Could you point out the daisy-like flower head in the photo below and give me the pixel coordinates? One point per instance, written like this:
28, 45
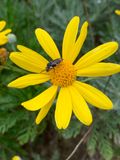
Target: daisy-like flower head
3, 33
117, 11
62, 73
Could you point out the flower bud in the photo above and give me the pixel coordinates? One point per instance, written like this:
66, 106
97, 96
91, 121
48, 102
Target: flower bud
16, 158
11, 38
3, 56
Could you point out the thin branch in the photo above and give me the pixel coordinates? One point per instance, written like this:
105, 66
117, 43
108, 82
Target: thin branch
79, 143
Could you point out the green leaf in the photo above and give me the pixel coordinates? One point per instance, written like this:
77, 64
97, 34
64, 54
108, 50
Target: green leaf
72, 131
105, 149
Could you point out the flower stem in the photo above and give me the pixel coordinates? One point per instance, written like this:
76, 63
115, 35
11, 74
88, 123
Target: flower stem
79, 143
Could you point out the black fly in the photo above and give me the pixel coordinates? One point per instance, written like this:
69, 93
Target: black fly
53, 64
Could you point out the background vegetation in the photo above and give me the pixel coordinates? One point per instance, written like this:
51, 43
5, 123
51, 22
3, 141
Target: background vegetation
18, 132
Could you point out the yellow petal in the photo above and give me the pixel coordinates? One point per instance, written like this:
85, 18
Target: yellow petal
93, 96
96, 55
99, 69
43, 112
3, 40
5, 32
27, 62
63, 109
41, 100
70, 37
2, 25
47, 43
79, 42
117, 11
28, 80
80, 107
37, 58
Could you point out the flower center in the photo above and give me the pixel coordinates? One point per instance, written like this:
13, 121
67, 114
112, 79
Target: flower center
63, 74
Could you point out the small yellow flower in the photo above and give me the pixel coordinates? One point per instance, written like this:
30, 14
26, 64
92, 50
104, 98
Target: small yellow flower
3, 34
117, 12
73, 94
16, 158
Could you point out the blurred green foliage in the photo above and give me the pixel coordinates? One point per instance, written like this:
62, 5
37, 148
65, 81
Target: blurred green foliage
18, 132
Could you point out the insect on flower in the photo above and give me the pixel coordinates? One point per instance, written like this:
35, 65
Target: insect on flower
53, 64
63, 72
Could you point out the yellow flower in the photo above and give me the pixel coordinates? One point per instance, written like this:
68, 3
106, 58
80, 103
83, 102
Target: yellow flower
117, 12
16, 158
73, 94
3, 34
